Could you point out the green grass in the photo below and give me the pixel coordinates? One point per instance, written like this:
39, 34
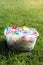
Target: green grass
20, 12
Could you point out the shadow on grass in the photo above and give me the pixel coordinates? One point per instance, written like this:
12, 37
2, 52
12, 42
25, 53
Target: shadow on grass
3, 48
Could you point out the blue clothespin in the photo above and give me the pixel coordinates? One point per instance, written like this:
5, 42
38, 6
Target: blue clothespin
7, 29
25, 32
16, 32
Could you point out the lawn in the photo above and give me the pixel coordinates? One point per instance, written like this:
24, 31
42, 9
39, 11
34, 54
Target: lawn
21, 12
